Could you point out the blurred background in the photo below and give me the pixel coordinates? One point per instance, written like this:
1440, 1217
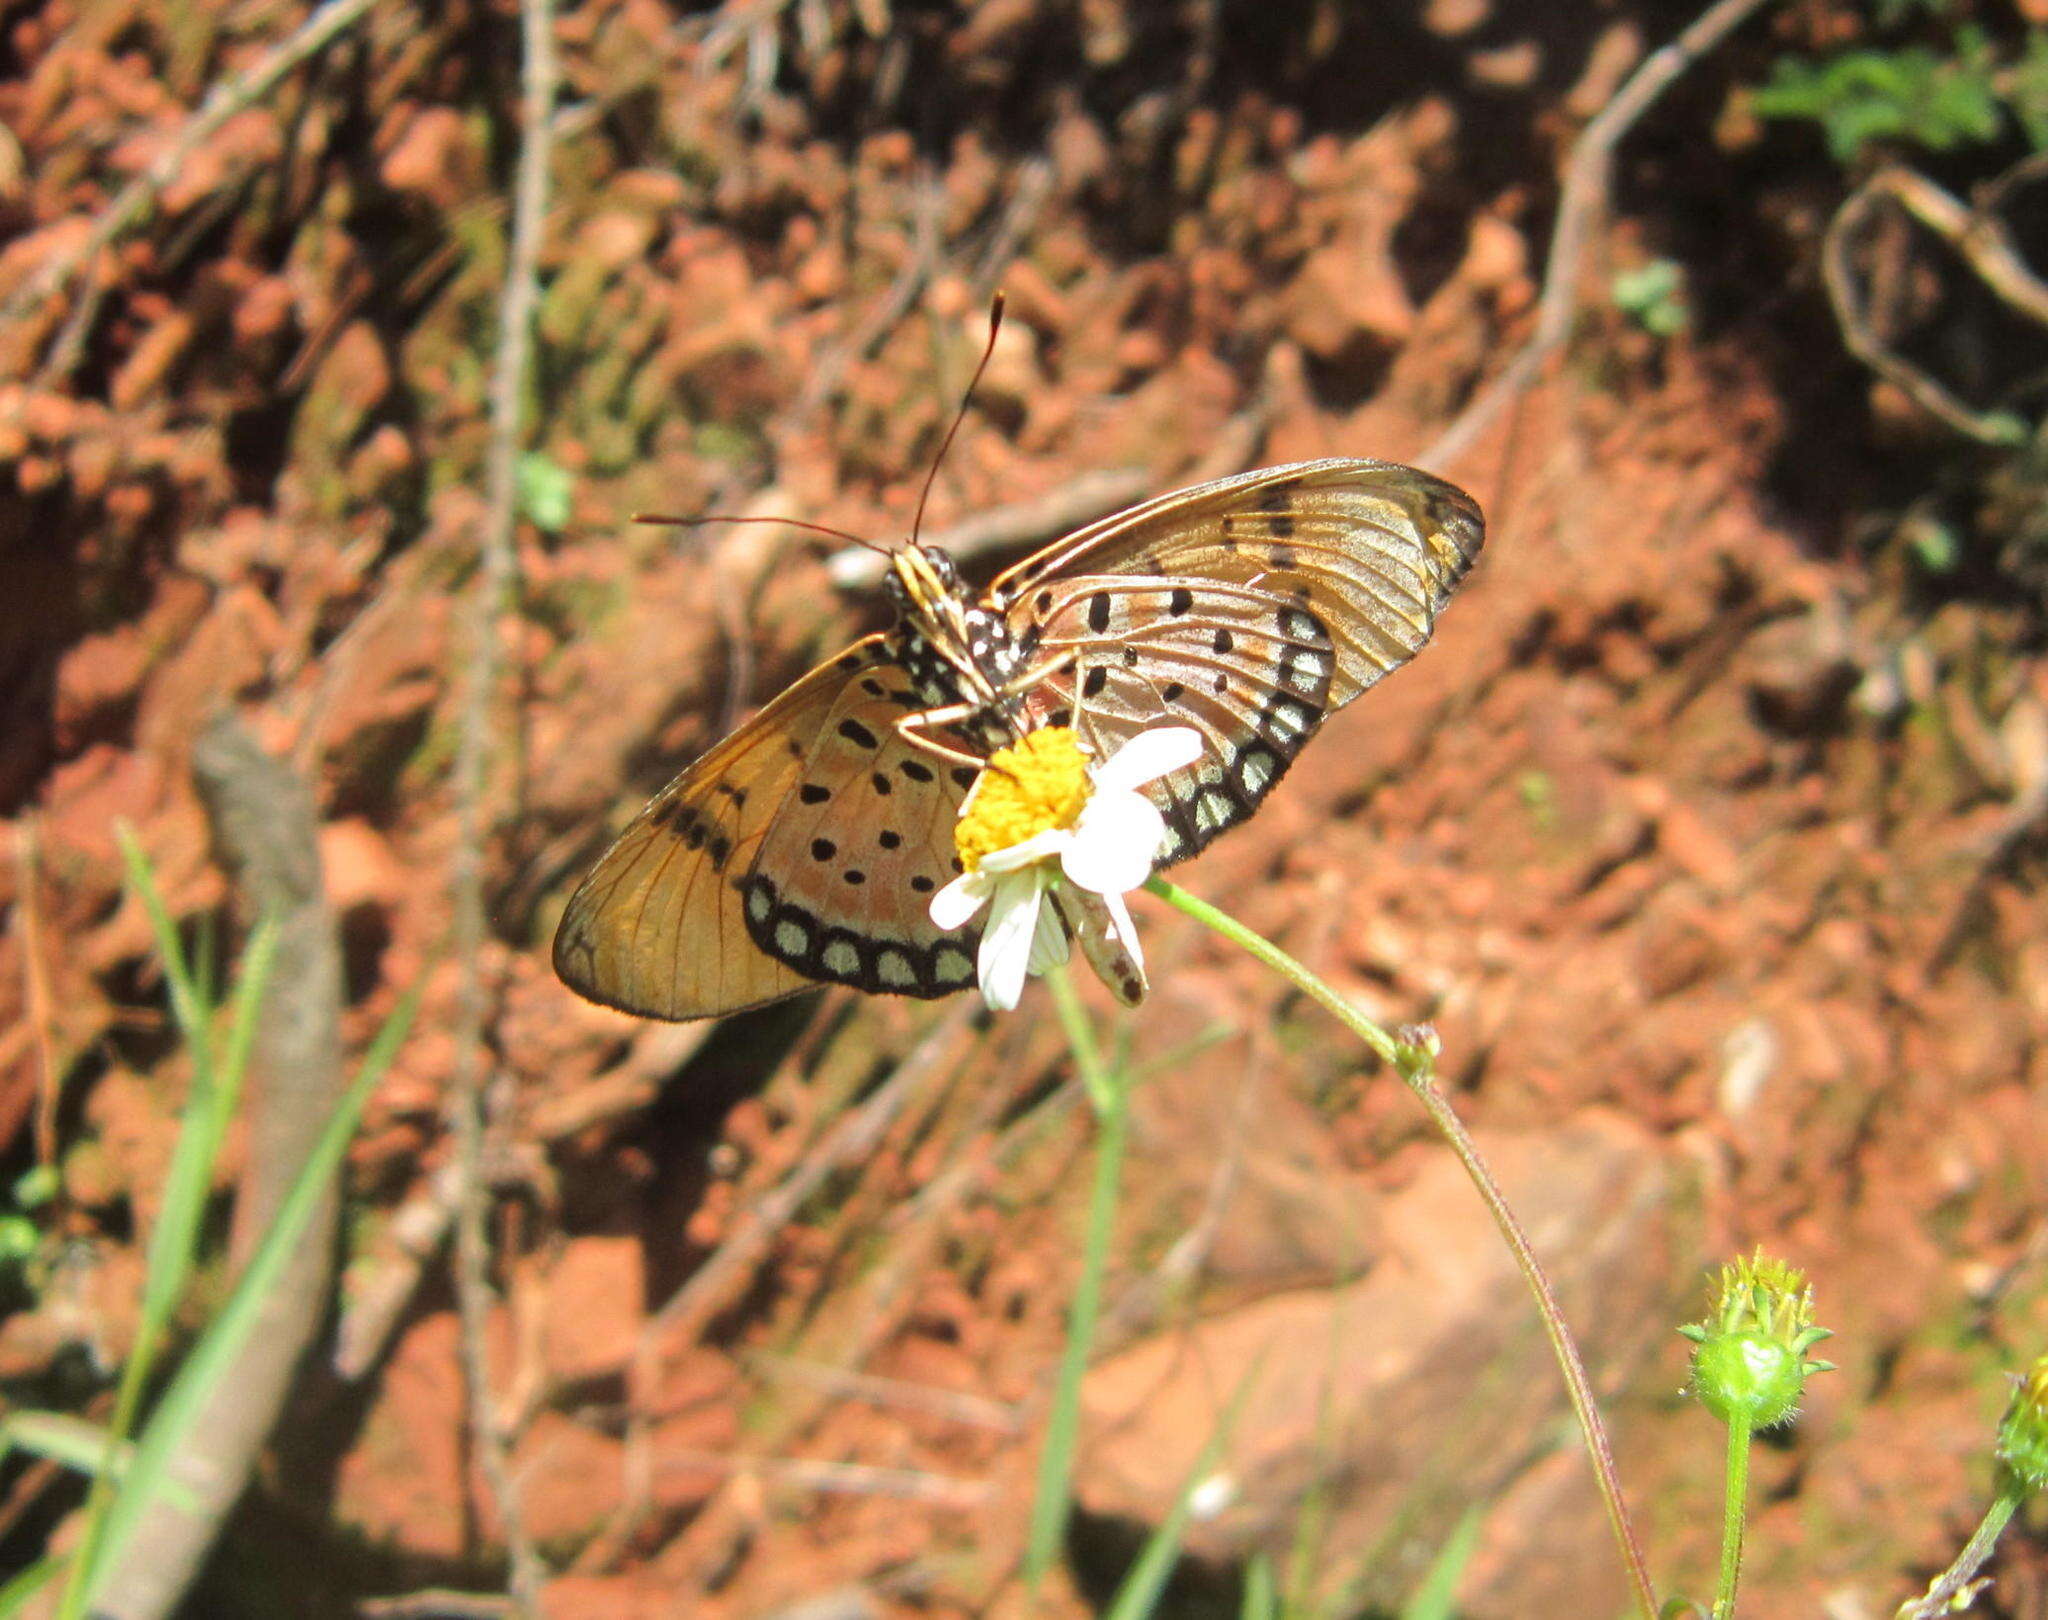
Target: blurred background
1707, 832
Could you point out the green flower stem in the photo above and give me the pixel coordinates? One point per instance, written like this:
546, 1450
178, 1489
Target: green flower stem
1106, 1091
1958, 1581
1416, 1064
1734, 1504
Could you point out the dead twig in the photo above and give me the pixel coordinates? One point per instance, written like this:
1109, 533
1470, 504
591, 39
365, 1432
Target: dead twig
2023, 741
852, 1331
36, 988
854, 1479
955, 1406
1030, 191
437, 1603
1580, 201
492, 591
414, 1234
1079, 500
1979, 237
852, 1139
134, 200
267, 830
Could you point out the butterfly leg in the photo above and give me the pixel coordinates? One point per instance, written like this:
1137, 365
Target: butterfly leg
912, 728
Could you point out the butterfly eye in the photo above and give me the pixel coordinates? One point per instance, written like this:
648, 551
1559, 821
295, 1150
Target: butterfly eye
942, 566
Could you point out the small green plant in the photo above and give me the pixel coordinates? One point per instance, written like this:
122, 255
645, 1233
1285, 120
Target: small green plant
545, 491
1653, 296
21, 1236
1941, 99
1749, 1368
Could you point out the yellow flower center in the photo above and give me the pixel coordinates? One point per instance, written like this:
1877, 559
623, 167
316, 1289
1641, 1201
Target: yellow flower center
1031, 787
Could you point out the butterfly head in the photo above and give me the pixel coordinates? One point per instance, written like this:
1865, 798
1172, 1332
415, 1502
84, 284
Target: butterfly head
956, 651
922, 581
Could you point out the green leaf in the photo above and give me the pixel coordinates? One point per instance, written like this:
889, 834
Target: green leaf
2026, 89
545, 490
1914, 96
60, 1437
36, 1187
1653, 296
19, 1238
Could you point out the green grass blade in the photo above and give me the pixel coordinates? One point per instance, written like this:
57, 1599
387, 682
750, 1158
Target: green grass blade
258, 959
216, 1090
188, 999
214, 1355
1261, 1591
17, 1594
1434, 1598
174, 1241
1050, 1503
60, 1437
1139, 1595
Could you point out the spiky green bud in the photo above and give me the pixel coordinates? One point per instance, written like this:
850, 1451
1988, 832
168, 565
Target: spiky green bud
1751, 1364
2023, 1431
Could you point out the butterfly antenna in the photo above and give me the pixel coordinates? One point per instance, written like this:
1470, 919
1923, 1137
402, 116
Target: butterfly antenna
787, 523
995, 325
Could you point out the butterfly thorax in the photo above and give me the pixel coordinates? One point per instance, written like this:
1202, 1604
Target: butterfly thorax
955, 652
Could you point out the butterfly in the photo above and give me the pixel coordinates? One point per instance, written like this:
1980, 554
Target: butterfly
806, 846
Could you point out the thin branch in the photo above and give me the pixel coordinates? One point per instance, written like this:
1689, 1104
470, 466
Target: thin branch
955, 1406
1079, 500
266, 829
1982, 240
853, 1479
417, 1229
36, 987
492, 591
226, 99
437, 1603
1581, 200
852, 1139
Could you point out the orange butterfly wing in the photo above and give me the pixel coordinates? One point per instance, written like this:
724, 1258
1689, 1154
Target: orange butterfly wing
1250, 608
712, 902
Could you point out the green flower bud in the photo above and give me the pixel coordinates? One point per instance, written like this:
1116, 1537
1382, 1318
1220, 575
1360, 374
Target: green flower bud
2023, 1431
1751, 1364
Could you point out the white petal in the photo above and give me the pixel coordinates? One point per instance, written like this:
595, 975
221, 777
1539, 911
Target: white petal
1006, 942
1038, 847
1114, 843
1148, 755
1049, 943
959, 900
1122, 929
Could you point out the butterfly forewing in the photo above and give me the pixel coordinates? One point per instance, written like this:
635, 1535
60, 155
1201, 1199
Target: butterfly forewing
710, 903
1249, 608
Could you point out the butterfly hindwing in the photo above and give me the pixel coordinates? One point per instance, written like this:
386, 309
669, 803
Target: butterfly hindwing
1249, 608
661, 926
841, 886
1249, 670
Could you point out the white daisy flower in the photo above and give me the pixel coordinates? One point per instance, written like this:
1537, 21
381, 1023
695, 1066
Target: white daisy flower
1042, 814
